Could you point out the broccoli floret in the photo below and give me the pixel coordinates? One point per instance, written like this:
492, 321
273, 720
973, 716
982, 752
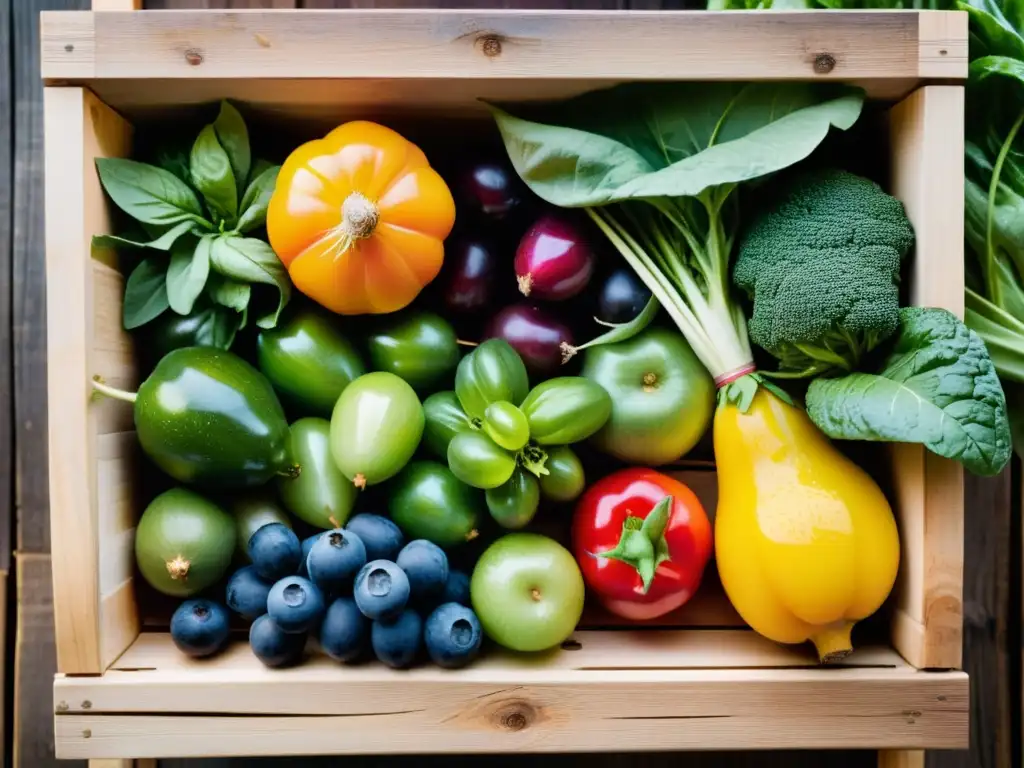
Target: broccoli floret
821, 263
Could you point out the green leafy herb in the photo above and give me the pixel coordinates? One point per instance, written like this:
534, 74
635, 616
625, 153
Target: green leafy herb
657, 167
213, 177
253, 208
145, 292
233, 136
187, 272
937, 387
162, 242
249, 260
147, 193
229, 293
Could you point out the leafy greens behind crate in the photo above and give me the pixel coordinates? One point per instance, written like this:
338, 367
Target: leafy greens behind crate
196, 213
994, 192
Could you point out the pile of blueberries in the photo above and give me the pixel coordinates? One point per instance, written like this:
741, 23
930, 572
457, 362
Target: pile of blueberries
355, 589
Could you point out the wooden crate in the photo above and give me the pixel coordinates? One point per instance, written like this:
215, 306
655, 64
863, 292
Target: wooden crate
705, 683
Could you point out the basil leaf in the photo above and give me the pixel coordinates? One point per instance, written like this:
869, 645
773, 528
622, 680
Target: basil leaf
252, 261
145, 292
213, 177
230, 293
259, 165
161, 243
186, 275
937, 387
256, 199
147, 193
234, 138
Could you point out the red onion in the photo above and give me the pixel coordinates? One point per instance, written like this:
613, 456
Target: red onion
534, 334
553, 260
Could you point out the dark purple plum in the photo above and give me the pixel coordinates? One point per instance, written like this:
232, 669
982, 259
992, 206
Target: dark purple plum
489, 188
470, 273
622, 297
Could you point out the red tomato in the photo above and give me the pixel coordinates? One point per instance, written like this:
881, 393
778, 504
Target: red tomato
615, 545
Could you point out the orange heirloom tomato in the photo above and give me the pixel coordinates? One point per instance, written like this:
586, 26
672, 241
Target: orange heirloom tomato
359, 219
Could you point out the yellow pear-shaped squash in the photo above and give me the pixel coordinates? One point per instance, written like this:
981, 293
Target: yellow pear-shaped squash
805, 540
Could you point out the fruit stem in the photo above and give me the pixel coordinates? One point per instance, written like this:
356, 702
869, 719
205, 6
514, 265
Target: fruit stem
113, 392
472, 534
525, 283
178, 568
465, 343
643, 545
359, 481
292, 472
833, 642
359, 216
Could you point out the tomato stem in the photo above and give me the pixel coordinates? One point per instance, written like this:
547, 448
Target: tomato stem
642, 544
114, 392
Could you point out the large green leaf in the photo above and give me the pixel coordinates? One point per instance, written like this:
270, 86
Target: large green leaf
145, 292
160, 243
937, 387
213, 177
249, 260
147, 193
187, 272
675, 140
233, 136
252, 212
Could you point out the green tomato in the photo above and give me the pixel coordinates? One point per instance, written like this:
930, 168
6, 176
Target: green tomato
565, 479
527, 591
444, 420
566, 410
479, 461
506, 425
252, 511
429, 502
491, 372
319, 494
514, 504
419, 347
663, 398
375, 428
308, 361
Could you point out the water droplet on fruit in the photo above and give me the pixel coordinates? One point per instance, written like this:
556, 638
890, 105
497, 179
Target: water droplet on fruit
462, 632
294, 595
378, 582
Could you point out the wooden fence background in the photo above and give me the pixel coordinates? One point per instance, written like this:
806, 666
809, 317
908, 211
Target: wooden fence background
993, 578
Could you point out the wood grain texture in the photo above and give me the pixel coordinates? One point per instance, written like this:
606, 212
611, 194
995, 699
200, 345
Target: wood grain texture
926, 146
480, 44
6, 295
619, 690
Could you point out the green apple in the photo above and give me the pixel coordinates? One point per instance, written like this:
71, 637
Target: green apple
527, 592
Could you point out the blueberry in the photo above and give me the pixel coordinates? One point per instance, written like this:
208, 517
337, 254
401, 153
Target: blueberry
275, 551
272, 645
381, 537
397, 641
456, 589
344, 631
307, 544
295, 604
426, 565
381, 589
199, 627
453, 635
335, 559
247, 593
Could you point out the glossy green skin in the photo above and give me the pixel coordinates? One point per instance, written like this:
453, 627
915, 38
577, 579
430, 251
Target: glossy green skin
172, 331
444, 420
527, 591
308, 361
429, 502
652, 423
491, 372
320, 494
182, 524
565, 480
251, 512
506, 425
514, 504
566, 410
421, 348
208, 418
375, 428
478, 461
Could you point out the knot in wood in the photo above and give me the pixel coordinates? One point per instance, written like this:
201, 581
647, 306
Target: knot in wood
490, 46
824, 63
515, 716
193, 57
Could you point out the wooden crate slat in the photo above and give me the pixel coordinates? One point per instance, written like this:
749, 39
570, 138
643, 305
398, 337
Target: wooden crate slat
485, 44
